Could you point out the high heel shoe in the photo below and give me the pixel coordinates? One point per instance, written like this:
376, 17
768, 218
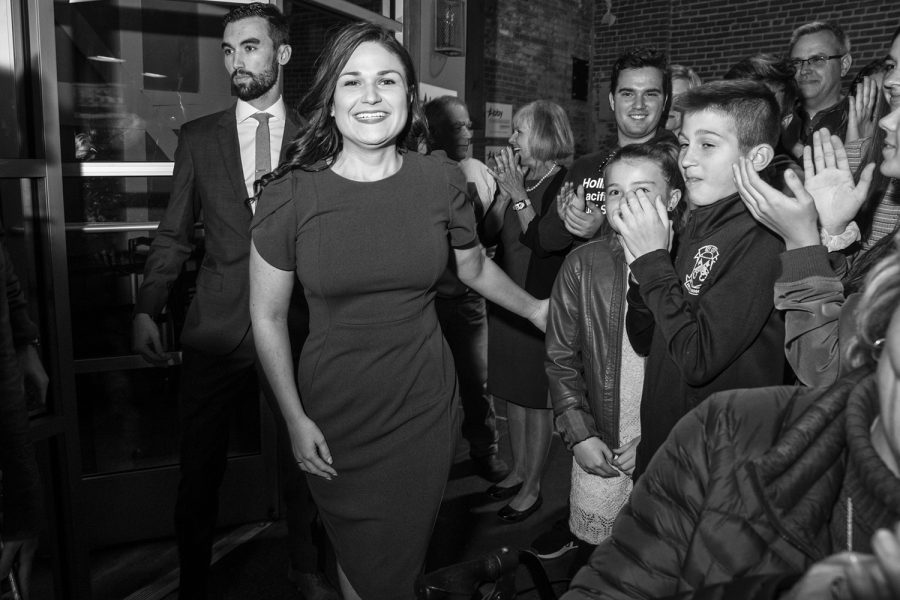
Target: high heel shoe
511, 515
502, 493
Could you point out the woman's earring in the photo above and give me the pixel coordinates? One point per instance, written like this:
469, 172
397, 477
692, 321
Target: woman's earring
877, 347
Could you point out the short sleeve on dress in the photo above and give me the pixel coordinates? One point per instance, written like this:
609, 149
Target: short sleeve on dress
274, 225
462, 226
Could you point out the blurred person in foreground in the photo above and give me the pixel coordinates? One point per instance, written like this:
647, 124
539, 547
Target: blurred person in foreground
21, 486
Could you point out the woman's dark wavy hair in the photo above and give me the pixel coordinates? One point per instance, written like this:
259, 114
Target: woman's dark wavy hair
317, 144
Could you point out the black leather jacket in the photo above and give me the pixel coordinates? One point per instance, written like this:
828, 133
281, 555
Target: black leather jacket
584, 340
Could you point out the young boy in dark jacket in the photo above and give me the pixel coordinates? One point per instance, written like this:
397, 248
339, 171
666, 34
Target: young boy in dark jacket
707, 322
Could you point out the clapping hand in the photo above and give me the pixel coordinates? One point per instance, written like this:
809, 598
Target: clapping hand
580, 218
643, 224
829, 180
564, 198
829, 197
509, 174
793, 219
861, 121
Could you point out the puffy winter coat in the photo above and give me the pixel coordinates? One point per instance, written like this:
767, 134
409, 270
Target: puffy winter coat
749, 490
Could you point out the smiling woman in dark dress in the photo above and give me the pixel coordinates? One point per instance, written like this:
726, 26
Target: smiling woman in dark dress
529, 173
365, 226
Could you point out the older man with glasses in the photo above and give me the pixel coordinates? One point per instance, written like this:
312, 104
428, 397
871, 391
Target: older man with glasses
820, 53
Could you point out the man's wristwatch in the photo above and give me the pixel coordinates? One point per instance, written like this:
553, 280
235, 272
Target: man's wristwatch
520, 204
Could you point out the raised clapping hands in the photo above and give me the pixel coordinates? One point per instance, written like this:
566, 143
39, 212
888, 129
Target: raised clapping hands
828, 198
861, 122
829, 180
643, 224
793, 219
509, 174
579, 218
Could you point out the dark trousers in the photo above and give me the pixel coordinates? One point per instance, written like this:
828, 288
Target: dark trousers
464, 323
211, 389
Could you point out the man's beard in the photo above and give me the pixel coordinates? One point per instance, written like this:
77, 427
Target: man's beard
259, 83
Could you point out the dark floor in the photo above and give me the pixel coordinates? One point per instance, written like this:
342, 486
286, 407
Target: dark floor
252, 560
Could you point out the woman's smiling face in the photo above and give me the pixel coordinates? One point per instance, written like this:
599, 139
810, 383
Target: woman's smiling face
890, 164
370, 105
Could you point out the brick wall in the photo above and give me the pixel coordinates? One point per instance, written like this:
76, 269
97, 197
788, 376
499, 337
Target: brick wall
711, 35
528, 50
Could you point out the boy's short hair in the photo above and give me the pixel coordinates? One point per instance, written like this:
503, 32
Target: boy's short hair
817, 26
774, 71
751, 106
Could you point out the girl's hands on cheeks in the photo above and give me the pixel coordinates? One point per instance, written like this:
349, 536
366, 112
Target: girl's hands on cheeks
643, 224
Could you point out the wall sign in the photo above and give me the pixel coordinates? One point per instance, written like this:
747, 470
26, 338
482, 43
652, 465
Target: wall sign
497, 120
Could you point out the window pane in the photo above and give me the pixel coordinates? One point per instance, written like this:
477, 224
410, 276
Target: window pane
131, 72
13, 124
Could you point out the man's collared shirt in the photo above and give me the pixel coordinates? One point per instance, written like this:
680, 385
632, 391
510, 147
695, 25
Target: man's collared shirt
801, 128
246, 126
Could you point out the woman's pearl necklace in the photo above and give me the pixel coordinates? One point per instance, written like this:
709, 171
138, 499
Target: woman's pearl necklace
541, 180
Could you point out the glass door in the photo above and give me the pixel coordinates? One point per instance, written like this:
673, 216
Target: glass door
129, 74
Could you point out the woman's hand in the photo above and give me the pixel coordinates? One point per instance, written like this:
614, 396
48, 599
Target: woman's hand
509, 174
793, 219
830, 182
643, 224
310, 448
595, 457
624, 457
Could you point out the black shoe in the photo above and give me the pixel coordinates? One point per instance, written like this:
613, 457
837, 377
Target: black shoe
502, 493
490, 467
313, 586
511, 515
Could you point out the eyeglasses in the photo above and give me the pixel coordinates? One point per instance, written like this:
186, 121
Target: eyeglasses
460, 125
813, 61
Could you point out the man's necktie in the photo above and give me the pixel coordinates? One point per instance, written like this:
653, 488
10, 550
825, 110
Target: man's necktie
263, 148
263, 151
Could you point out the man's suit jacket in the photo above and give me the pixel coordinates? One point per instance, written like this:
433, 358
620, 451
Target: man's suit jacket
208, 180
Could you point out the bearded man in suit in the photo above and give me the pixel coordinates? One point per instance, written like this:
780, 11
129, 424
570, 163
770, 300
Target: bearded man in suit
218, 158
